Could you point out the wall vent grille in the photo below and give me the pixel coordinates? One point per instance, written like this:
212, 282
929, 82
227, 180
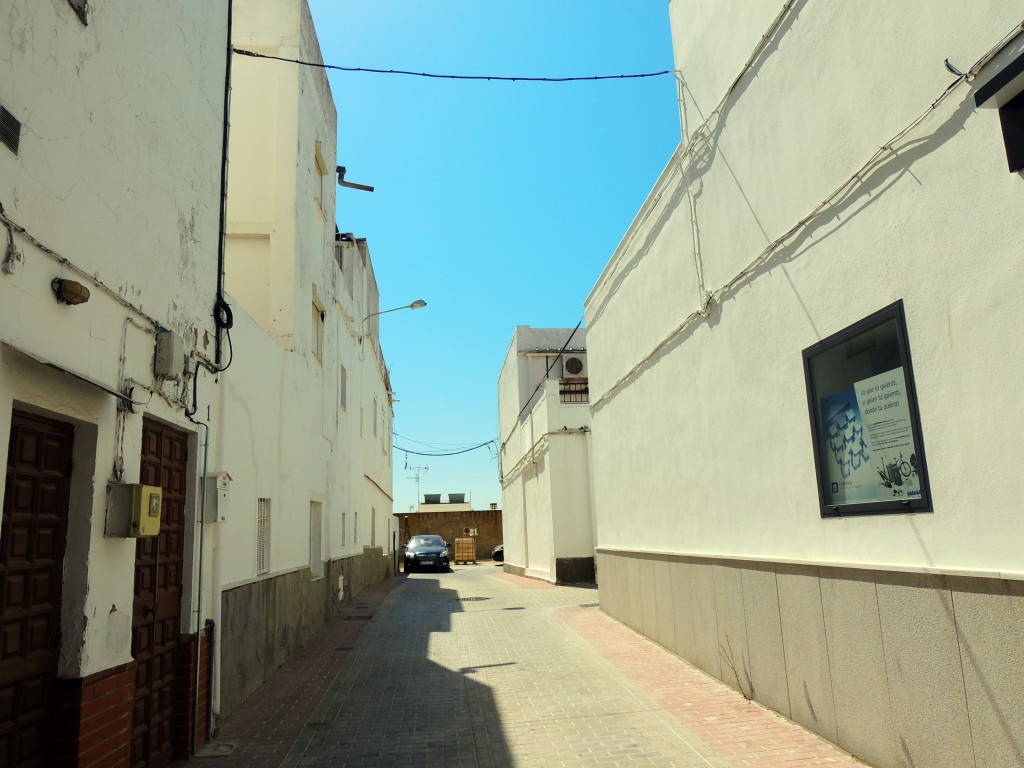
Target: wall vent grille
262, 536
10, 130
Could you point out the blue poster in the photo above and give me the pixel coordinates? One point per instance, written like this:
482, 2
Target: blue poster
869, 450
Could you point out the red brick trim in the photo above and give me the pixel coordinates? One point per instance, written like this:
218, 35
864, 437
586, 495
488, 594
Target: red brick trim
93, 719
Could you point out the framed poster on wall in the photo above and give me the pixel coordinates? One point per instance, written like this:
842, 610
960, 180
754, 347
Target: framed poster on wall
865, 423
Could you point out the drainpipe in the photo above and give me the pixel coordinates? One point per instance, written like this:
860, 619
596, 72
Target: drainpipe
199, 580
211, 631
221, 311
223, 321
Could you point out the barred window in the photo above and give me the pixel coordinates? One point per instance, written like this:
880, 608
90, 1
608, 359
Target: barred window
316, 557
262, 535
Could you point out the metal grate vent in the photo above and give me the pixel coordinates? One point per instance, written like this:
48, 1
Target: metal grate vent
357, 618
469, 599
262, 535
10, 130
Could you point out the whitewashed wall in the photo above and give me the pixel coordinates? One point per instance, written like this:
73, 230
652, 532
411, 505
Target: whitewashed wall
546, 507
934, 223
118, 173
291, 434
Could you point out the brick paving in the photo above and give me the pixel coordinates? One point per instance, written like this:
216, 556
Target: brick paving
485, 669
260, 734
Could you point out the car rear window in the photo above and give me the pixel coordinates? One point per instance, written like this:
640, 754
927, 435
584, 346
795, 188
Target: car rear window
426, 541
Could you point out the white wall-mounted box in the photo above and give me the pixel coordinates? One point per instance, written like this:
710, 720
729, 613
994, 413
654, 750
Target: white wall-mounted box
218, 497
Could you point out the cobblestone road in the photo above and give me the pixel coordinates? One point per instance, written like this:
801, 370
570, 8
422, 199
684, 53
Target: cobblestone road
480, 668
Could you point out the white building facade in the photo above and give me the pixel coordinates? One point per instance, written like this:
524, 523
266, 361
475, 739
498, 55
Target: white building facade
544, 423
307, 403
227, 369
110, 181
801, 377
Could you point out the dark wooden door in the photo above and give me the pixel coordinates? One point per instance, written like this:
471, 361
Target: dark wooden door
156, 616
32, 539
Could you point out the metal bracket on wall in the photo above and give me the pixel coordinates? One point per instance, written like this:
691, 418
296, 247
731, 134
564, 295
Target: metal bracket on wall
81, 9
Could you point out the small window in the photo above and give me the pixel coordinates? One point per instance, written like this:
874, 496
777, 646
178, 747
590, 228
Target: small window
865, 424
316, 557
318, 331
355, 527
262, 536
10, 130
373, 526
1003, 90
1011, 117
344, 528
343, 387
320, 166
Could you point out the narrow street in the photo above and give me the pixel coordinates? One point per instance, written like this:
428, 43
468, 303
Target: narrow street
481, 668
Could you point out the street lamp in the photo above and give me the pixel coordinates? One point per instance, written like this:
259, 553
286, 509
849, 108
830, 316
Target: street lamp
418, 304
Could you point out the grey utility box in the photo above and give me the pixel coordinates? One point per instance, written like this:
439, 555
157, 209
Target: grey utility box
169, 359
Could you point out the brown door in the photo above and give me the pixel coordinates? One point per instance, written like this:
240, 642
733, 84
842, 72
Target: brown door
156, 616
32, 539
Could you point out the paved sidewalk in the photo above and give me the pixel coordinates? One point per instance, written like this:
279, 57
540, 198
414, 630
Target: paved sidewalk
480, 668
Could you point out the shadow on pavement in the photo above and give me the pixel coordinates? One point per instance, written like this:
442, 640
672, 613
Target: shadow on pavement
404, 696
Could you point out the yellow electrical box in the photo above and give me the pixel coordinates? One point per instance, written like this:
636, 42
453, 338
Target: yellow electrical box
146, 501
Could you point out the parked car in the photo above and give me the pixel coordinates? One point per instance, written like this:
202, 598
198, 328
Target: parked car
426, 551
498, 554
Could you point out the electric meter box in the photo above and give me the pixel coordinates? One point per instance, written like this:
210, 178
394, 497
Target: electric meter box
218, 497
169, 358
134, 511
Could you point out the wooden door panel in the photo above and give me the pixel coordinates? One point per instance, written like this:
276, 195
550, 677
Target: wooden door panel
32, 544
156, 619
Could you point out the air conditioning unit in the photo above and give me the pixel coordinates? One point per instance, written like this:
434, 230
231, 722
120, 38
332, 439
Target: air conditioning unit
574, 367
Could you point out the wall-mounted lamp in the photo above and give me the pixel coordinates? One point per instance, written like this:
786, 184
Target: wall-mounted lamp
69, 291
418, 304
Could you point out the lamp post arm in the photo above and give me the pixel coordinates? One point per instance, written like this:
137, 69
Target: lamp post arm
383, 312
418, 304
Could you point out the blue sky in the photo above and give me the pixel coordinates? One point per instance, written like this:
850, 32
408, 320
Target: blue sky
498, 203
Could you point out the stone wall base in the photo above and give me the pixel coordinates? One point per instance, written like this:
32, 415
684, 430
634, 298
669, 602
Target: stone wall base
574, 570
264, 622
898, 668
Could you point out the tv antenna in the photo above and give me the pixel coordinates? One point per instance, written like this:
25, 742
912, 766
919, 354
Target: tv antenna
416, 477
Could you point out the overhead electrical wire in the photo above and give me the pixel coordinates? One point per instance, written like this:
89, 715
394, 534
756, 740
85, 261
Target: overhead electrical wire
435, 76
436, 445
447, 453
